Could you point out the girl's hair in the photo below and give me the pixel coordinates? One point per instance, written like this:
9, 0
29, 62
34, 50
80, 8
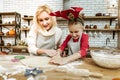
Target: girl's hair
77, 21
44, 8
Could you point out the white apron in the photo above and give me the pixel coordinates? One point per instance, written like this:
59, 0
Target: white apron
74, 47
45, 42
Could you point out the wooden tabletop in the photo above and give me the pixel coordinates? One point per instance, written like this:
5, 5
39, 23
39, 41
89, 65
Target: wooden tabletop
108, 74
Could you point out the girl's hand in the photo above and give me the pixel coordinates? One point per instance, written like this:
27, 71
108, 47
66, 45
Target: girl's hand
58, 60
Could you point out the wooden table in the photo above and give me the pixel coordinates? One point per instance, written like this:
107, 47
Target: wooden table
108, 74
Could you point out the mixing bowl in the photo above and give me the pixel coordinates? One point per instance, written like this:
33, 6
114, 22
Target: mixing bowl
106, 58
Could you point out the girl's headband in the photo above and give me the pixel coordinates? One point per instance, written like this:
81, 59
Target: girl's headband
69, 14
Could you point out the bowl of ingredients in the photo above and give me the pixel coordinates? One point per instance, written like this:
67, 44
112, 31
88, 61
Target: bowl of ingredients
106, 58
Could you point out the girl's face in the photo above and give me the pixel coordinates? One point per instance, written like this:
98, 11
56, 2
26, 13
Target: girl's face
75, 30
44, 19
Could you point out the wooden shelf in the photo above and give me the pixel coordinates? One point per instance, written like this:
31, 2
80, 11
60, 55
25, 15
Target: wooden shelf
15, 47
110, 18
8, 13
25, 29
7, 35
7, 24
86, 18
27, 18
5, 46
100, 17
101, 29
19, 47
94, 17
103, 48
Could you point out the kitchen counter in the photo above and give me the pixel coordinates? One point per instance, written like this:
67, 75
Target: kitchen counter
87, 63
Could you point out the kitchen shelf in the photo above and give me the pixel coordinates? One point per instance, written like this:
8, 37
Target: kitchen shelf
28, 19
7, 24
101, 29
94, 18
25, 29
5, 46
103, 48
100, 17
8, 13
19, 47
15, 47
8, 35
14, 25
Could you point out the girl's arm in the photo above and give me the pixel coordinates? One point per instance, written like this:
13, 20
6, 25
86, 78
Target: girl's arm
84, 45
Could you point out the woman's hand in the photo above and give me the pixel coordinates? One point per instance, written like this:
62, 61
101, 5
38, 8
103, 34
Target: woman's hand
51, 52
58, 60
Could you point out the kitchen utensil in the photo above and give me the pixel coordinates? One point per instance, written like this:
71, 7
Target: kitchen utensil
95, 27
78, 72
90, 34
98, 14
100, 34
106, 58
113, 34
1, 33
95, 34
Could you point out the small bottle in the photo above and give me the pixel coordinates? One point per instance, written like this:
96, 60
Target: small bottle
116, 26
95, 27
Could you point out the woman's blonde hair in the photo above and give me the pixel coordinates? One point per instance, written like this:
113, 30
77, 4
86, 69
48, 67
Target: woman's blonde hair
41, 9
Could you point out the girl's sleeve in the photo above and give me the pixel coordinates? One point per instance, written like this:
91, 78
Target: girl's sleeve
65, 42
84, 45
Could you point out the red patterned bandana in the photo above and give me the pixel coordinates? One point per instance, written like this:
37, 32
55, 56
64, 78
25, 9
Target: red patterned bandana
71, 14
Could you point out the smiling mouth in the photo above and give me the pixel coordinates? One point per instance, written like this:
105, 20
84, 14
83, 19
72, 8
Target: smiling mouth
75, 37
45, 26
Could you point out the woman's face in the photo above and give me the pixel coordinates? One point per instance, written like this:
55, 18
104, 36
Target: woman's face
44, 19
75, 31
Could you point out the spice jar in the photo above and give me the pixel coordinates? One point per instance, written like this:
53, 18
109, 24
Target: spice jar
107, 27
116, 26
95, 27
1, 43
86, 27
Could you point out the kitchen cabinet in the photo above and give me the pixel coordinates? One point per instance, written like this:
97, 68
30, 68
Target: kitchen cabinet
12, 22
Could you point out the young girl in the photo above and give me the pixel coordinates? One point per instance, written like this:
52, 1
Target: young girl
76, 41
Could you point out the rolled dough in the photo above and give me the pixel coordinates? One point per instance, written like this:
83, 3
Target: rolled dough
37, 61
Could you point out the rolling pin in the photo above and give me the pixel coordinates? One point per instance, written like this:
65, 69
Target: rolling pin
79, 72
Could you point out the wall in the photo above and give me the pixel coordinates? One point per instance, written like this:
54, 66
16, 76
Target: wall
1, 5
91, 7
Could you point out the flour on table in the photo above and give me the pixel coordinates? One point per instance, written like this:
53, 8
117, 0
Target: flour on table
37, 61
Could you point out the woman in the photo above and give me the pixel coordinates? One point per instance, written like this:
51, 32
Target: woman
44, 36
76, 41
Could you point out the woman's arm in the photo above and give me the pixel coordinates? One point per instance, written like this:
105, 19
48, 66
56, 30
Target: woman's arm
32, 40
